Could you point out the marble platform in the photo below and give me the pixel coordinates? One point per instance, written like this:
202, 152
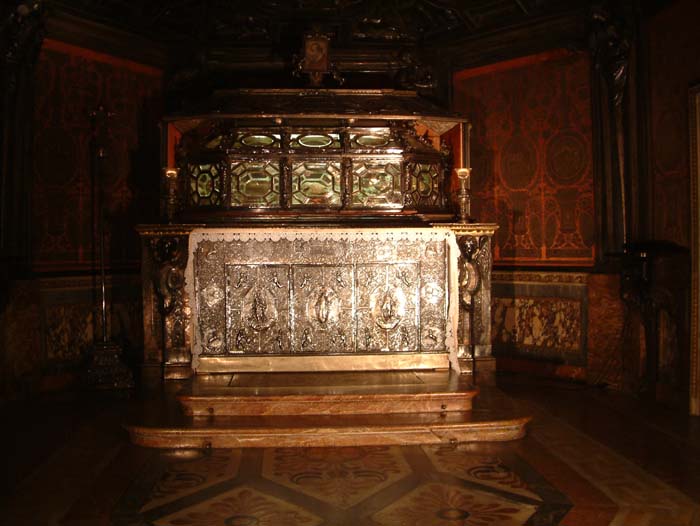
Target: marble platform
327, 409
327, 394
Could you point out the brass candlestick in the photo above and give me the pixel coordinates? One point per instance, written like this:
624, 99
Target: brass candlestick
464, 197
171, 193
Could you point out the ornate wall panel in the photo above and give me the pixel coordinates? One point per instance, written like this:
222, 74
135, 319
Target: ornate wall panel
532, 156
50, 324
321, 291
71, 83
69, 323
20, 337
69, 331
606, 319
540, 315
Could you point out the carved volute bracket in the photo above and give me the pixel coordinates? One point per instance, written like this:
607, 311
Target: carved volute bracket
475, 294
469, 276
475, 263
166, 305
170, 255
610, 46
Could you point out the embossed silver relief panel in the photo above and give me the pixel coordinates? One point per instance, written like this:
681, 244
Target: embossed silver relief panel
336, 295
322, 308
257, 308
387, 307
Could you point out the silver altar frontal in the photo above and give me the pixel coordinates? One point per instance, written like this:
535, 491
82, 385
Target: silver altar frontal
331, 298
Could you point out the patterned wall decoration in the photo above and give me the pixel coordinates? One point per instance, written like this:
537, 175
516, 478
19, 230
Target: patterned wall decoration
540, 315
69, 320
71, 83
50, 323
20, 337
674, 48
532, 156
69, 331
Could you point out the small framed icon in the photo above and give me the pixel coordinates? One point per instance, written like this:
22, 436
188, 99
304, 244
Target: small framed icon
316, 49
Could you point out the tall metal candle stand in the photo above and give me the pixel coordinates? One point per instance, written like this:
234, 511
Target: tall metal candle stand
106, 370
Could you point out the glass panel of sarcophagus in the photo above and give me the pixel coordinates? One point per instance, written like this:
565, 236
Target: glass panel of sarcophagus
382, 168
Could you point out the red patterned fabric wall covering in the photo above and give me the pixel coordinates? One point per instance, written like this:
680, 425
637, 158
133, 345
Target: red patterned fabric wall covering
674, 65
71, 83
532, 156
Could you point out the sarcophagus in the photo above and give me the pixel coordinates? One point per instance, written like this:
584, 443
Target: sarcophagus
312, 231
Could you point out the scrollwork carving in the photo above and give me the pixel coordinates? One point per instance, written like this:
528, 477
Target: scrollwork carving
169, 254
475, 292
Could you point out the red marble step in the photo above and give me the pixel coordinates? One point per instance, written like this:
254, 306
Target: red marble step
331, 430
353, 393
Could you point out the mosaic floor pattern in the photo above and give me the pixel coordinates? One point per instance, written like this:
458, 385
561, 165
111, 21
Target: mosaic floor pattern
478, 485
590, 458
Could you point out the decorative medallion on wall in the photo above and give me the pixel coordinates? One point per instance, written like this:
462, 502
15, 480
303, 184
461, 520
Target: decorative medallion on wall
519, 162
567, 158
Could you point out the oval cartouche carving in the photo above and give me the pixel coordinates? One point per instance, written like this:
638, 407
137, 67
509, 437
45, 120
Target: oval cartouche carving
258, 140
372, 141
212, 295
325, 307
388, 307
322, 309
315, 141
259, 311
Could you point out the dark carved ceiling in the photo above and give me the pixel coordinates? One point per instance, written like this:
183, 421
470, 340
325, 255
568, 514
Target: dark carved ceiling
231, 22
257, 43
207, 45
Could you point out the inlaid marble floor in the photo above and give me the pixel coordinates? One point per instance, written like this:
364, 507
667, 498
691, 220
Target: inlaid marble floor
353, 485
570, 470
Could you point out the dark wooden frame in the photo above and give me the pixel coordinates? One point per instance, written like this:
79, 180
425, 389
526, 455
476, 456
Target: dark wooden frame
694, 128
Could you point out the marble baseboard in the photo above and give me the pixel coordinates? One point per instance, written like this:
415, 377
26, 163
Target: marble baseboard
541, 316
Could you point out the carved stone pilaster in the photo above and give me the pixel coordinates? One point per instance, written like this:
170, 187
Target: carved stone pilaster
166, 305
475, 265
